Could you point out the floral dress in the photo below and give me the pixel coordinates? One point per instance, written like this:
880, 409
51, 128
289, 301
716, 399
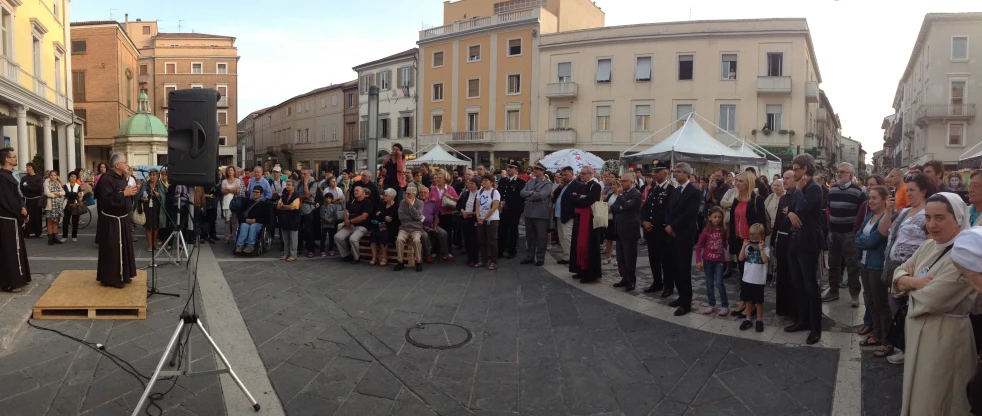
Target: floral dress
57, 203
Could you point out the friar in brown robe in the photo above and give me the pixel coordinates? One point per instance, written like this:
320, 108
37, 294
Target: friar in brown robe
117, 263
31, 187
14, 270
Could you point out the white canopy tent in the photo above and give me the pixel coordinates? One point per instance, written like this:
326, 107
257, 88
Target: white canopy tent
691, 143
973, 160
438, 156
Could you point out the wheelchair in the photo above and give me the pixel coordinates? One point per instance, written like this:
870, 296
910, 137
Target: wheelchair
263, 241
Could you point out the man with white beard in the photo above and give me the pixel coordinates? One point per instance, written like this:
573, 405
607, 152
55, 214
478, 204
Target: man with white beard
844, 201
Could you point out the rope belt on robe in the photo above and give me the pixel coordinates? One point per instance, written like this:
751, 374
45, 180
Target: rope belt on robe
20, 268
583, 237
119, 222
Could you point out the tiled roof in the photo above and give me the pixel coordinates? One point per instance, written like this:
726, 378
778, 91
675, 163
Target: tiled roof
95, 22
403, 54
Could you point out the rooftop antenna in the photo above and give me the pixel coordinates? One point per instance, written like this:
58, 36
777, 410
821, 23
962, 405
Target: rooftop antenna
690, 13
180, 25
111, 16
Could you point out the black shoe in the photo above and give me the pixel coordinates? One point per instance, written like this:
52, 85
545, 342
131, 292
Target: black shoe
347, 258
797, 327
667, 292
56, 240
51, 240
629, 288
119, 285
577, 276
746, 324
675, 303
813, 337
527, 261
399, 266
682, 310
588, 280
653, 289
128, 280
540, 263
759, 326
419, 267
354, 261
562, 261
510, 256
622, 283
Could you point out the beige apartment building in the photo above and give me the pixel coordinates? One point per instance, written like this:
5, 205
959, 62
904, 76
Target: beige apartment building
352, 143
935, 100
104, 65
478, 74
173, 61
395, 77
304, 132
608, 89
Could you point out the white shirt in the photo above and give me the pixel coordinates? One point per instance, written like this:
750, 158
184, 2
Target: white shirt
756, 273
469, 205
485, 199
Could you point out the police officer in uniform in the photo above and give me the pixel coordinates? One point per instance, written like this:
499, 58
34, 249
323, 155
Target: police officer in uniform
659, 243
512, 207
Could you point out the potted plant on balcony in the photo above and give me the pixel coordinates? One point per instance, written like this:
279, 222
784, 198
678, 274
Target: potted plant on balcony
791, 132
809, 134
782, 131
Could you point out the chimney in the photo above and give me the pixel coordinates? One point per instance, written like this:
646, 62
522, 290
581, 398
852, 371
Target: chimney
127, 17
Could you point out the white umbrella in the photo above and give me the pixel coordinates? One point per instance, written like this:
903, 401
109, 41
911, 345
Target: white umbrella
574, 158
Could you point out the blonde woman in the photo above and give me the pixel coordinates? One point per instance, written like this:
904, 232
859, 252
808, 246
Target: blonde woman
232, 186
747, 209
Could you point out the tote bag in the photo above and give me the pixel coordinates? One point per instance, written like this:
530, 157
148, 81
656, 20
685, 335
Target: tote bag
600, 213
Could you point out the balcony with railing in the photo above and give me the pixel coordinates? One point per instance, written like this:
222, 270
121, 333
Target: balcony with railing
143, 78
561, 137
821, 115
223, 102
475, 23
11, 70
40, 88
773, 85
944, 112
478, 137
811, 92
640, 136
773, 138
562, 90
287, 147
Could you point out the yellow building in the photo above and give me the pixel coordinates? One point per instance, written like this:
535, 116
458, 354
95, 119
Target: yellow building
477, 74
35, 106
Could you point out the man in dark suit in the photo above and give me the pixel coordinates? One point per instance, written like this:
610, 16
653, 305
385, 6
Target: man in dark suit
806, 215
681, 226
563, 212
653, 215
627, 219
512, 207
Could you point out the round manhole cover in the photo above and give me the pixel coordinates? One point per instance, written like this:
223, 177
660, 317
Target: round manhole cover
438, 335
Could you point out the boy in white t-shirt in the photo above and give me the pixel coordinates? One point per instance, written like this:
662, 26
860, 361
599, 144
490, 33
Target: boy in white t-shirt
755, 255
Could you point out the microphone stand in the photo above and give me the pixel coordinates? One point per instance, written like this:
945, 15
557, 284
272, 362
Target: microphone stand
152, 289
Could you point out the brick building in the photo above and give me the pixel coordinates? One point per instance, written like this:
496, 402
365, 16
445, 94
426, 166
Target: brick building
104, 65
172, 61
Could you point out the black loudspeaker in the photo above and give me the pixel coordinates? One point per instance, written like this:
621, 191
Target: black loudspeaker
192, 137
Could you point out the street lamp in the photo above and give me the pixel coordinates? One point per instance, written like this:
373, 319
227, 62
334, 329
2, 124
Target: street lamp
372, 136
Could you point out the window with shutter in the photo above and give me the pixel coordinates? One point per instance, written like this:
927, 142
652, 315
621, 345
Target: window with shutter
727, 117
437, 59
512, 120
514, 47
642, 118
565, 72
959, 48
474, 53
78, 86
685, 67
473, 88
728, 69
642, 70
438, 92
603, 118
562, 118
603, 70
437, 124
514, 84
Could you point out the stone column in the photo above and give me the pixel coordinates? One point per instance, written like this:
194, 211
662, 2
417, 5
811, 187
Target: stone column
49, 161
23, 150
62, 144
81, 145
491, 166
69, 133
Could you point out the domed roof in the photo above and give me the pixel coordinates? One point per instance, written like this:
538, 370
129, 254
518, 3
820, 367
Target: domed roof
142, 124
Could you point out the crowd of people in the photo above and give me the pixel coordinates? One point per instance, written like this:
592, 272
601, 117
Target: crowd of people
906, 248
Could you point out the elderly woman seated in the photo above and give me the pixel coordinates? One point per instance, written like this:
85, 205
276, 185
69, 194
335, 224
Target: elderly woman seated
940, 350
431, 224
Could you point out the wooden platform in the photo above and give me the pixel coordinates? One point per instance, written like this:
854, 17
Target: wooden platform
75, 294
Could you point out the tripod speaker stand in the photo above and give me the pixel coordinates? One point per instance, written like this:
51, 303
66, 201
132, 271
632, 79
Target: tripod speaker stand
177, 236
189, 320
152, 290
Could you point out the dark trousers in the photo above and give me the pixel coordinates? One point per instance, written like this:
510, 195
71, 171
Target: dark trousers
309, 230
508, 233
804, 279
327, 239
682, 245
660, 259
535, 238
469, 232
447, 223
458, 223
68, 218
627, 259
206, 223
34, 224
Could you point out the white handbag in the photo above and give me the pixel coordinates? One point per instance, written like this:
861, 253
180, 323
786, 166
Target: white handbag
600, 213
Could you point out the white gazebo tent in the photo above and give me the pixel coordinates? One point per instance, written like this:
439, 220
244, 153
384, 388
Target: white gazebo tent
438, 156
691, 143
973, 160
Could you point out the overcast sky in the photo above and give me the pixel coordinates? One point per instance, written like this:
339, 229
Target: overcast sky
862, 45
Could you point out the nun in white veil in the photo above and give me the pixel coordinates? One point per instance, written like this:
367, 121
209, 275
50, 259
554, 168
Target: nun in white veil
940, 354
